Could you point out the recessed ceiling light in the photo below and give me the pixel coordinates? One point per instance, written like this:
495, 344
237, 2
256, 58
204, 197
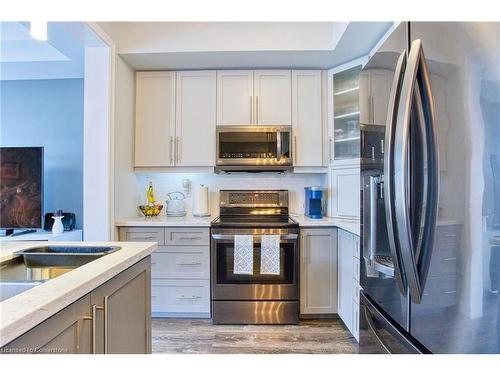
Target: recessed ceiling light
38, 30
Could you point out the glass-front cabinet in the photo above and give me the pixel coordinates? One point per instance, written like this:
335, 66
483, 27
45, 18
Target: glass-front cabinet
346, 134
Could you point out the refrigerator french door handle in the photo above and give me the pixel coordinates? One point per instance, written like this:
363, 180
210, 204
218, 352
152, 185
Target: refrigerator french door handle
417, 81
389, 171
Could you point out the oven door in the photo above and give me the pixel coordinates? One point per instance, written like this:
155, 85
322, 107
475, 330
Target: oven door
226, 285
260, 146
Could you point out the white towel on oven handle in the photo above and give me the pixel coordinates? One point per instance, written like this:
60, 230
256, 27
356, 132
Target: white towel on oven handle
243, 254
270, 261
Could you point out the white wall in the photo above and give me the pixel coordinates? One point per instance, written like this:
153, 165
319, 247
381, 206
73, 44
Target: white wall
97, 148
127, 188
167, 182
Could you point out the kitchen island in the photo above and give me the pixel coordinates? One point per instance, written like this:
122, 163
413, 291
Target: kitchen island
92, 308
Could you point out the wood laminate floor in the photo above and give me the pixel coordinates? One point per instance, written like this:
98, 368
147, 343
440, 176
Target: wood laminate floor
199, 336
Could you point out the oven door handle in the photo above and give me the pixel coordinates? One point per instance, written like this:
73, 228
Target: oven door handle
230, 237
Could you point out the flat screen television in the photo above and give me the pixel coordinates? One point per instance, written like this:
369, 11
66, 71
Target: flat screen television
21, 187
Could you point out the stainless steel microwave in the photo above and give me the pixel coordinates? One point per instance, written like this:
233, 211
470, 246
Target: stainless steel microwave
254, 148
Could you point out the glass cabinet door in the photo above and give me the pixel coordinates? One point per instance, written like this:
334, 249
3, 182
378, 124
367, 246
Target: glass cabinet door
346, 113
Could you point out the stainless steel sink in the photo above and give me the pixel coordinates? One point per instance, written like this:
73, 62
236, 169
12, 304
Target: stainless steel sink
36, 265
63, 256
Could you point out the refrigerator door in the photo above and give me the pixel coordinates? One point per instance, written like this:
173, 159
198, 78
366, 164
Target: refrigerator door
458, 309
381, 272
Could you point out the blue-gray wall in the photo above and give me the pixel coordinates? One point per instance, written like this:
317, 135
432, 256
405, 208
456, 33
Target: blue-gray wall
49, 113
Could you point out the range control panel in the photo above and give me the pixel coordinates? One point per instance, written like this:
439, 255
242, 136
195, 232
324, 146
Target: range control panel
254, 198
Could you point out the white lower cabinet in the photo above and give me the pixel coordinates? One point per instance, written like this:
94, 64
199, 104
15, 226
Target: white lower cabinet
318, 271
180, 270
348, 280
180, 298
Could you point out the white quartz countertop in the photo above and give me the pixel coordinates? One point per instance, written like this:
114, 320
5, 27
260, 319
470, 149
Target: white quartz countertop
348, 225
26, 310
165, 221
191, 221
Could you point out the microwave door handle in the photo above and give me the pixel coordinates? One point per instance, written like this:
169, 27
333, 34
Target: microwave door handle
391, 223
278, 145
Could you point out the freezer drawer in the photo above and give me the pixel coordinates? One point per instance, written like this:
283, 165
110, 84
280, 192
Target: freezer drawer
378, 334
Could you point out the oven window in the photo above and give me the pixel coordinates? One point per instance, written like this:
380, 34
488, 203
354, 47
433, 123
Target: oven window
245, 145
225, 263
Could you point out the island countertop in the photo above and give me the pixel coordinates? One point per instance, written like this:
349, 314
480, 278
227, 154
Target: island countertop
24, 311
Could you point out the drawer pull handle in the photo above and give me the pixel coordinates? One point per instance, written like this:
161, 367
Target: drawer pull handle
190, 238
450, 292
189, 264
450, 235
143, 238
188, 297
449, 259
153, 263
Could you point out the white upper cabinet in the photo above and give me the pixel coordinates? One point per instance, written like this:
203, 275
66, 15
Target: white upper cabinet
235, 99
365, 113
345, 192
375, 88
154, 119
273, 97
306, 118
195, 118
248, 97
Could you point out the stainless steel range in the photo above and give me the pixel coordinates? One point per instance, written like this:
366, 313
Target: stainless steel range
255, 297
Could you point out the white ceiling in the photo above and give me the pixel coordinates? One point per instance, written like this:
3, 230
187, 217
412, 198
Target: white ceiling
187, 45
61, 56
261, 45
17, 45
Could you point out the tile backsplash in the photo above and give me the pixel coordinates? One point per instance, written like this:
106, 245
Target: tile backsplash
167, 182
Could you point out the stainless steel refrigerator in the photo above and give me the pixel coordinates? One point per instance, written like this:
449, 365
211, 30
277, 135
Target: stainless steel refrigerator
430, 190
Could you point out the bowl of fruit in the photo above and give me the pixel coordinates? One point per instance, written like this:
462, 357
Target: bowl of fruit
150, 210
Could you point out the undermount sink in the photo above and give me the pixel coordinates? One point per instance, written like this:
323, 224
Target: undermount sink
63, 256
36, 265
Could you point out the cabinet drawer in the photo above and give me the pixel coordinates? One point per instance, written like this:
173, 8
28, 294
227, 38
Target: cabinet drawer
180, 296
181, 262
439, 292
356, 288
444, 263
143, 235
356, 247
355, 268
187, 236
355, 321
448, 235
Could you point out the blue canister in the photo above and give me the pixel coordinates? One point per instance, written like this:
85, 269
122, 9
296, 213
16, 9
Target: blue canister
313, 202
